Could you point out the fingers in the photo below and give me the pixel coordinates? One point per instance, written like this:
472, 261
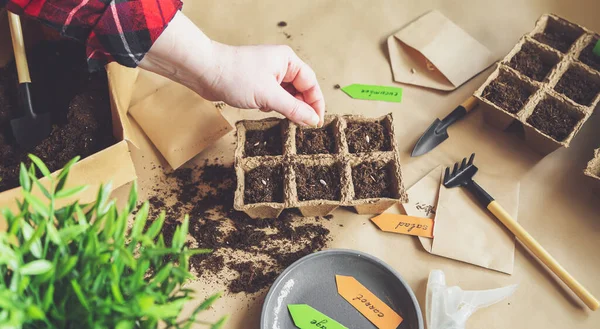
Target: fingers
305, 81
291, 107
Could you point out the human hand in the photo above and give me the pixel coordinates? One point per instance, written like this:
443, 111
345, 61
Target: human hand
270, 78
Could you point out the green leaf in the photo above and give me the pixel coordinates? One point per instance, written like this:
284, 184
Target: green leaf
162, 275
64, 173
67, 266
133, 197
102, 199
32, 238
70, 192
77, 290
24, 179
81, 218
127, 258
156, 226
36, 267
68, 234
40, 164
220, 323
35, 313
40, 186
53, 234
37, 204
207, 303
48, 297
145, 302
116, 291
181, 233
125, 324
193, 252
140, 220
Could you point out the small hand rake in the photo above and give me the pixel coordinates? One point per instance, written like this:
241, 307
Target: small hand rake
462, 175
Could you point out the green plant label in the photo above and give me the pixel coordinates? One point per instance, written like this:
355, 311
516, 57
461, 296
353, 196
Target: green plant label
374, 93
306, 317
597, 48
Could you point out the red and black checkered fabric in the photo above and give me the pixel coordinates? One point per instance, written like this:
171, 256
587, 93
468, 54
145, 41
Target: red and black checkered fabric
113, 30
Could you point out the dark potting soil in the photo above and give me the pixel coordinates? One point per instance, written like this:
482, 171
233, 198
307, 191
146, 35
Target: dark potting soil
530, 61
77, 100
248, 254
588, 57
318, 182
264, 184
507, 93
556, 38
372, 180
550, 117
263, 142
316, 141
367, 137
579, 86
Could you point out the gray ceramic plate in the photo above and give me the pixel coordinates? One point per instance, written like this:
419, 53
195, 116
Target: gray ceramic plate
311, 280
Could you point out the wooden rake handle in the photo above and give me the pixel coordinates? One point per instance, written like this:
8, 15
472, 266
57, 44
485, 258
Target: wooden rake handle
18, 44
541, 253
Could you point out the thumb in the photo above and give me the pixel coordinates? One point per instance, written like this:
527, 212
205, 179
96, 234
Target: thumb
281, 101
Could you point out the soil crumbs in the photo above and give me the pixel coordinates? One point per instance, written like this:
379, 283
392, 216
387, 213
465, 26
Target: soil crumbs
248, 254
556, 39
367, 137
316, 141
264, 184
318, 182
77, 100
579, 86
588, 57
530, 62
507, 93
371, 180
551, 118
264, 142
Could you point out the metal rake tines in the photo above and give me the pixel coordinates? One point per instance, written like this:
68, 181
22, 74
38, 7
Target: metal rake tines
465, 164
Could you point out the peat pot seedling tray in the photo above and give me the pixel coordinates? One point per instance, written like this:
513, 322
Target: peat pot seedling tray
549, 83
352, 161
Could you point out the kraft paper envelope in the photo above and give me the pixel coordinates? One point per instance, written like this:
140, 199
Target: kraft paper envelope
463, 229
434, 52
179, 122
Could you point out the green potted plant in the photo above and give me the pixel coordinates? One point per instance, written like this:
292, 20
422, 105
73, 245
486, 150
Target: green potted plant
81, 266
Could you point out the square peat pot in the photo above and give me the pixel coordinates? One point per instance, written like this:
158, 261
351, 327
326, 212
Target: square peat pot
261, 187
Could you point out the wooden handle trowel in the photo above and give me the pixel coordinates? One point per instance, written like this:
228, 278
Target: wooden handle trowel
438, 131
30, 129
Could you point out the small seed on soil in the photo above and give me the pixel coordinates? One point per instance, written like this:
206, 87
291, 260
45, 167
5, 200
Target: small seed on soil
368, 140
322, 182
413, 71
264, 182
373, 178
256, 144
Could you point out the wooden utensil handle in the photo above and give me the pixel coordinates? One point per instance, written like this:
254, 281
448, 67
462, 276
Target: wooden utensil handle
18, 44
470, 103
541, 253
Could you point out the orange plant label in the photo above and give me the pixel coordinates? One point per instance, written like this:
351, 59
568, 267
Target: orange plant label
403, 224
371, 307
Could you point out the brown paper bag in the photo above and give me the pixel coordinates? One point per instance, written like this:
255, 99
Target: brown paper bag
434, 52
179, 122
464, 230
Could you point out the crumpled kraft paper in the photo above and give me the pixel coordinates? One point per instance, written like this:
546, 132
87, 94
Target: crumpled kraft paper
463, 229
434, 52
179, 122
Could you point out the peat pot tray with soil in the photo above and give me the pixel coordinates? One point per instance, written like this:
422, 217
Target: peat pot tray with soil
548, 83
351, 161
82, 106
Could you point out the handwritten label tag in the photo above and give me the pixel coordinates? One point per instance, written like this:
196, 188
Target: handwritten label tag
374, 93
596, 50
405, 224
381, 315
306, 317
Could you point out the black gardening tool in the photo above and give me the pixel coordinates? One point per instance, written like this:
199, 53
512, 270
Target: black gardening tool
462, 175
32, 128
438, 131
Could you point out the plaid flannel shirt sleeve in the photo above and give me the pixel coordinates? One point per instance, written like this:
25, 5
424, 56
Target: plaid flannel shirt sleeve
113, 30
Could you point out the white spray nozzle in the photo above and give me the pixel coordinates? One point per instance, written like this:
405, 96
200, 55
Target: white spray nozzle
450, 307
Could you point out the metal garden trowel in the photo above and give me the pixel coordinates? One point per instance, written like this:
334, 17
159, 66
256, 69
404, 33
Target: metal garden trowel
30, 129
